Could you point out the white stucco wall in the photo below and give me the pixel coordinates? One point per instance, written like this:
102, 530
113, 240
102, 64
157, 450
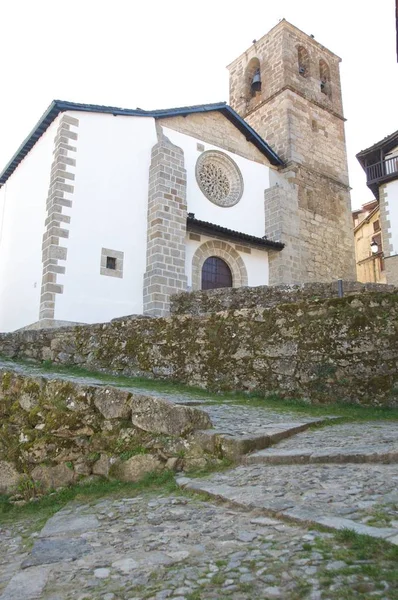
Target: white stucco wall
109, 211
248, 215
392, 208
256, 263
22, 215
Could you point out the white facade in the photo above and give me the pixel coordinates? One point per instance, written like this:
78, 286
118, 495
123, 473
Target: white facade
22, 216
391, 191
247, 216
108, 210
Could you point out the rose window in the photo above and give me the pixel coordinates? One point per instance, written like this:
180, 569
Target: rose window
219, 178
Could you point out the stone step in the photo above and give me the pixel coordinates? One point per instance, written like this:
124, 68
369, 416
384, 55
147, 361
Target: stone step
281, 508
273, 456
234, 447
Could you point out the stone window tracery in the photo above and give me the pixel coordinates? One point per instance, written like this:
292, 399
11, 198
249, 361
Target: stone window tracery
219, 178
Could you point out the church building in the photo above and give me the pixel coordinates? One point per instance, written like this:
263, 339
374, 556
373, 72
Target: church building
106, 212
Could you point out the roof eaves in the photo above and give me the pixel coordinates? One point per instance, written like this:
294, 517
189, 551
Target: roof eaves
367, 218
250, 134
28, 143
205, 227
45, 121
389, 139
58, 106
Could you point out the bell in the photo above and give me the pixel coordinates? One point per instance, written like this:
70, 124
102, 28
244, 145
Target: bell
256, 82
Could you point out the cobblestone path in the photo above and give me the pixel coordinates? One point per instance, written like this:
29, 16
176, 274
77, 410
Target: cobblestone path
176, 548
254, 536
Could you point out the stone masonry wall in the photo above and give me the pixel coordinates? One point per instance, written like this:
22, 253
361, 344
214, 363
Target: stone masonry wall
213, 301
53, 432
306, 128
323, 350
215, 129
282, 224
167, 215
57, 223
277, 53
316, 226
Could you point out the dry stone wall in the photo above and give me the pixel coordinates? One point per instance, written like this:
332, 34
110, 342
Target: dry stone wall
322, 350
211, 301
53, 432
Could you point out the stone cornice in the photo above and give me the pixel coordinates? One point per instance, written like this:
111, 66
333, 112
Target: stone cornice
292, 89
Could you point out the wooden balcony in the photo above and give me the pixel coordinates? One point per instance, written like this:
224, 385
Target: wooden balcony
384, 170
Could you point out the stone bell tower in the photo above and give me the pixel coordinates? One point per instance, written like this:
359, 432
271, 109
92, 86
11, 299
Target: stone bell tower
287, 87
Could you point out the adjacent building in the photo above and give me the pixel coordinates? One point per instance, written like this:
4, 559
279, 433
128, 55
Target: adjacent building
368, 244
380, 163
106, 212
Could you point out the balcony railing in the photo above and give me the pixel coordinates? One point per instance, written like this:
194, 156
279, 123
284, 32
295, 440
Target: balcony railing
381, 170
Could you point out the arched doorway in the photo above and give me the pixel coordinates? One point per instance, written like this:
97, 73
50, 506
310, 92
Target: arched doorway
215, 274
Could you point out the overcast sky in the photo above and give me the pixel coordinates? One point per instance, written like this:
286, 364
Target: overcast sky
160, 54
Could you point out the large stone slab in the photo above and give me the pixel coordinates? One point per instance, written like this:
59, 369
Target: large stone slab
27, 585
67, 523
48, 551
159, 415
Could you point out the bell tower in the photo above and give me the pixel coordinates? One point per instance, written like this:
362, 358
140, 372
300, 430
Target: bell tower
287, 87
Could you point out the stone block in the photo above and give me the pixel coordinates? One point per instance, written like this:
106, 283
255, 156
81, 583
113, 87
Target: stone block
9, 477
158, 415
136, 467
113, 403
102, 465
53, 477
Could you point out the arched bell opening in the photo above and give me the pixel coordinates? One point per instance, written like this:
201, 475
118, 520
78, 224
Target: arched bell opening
303, 59
324, 76
253, 83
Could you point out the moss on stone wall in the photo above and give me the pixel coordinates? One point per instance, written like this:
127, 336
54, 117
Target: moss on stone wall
210, 301
49, 424
324, 350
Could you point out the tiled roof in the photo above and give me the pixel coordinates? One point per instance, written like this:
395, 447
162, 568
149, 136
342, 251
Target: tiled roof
389, 142
58, 106
207, 228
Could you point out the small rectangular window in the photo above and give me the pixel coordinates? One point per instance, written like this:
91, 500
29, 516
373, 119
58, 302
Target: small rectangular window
377, 239
111, 262
376, 225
